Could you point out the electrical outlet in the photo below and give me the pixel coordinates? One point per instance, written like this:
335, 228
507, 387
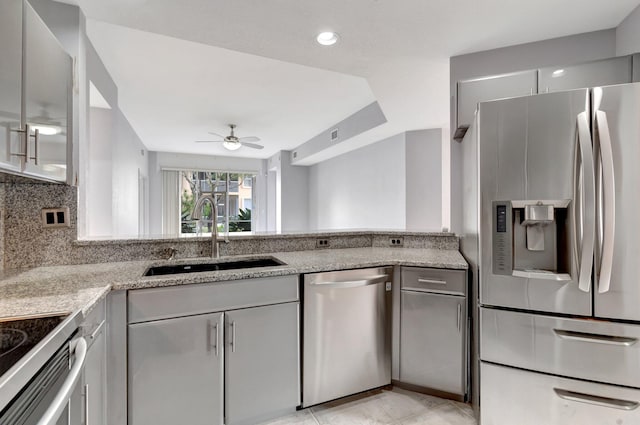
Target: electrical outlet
322, 243
399, 241
55, 217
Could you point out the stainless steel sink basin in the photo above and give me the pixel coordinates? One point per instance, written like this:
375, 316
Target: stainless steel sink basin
209, 267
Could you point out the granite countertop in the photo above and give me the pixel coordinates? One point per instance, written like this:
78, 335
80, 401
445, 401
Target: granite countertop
58, 289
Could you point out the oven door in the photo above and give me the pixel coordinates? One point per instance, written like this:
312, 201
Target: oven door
53, 397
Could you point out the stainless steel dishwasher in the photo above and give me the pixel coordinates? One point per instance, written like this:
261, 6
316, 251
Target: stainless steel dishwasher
347, 333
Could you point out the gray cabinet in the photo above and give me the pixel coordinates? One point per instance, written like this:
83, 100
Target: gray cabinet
35, 88
237, 363
94, 379
590, 74
636, 68
261, 365
471, 92
175, 371
433, 330
10, 83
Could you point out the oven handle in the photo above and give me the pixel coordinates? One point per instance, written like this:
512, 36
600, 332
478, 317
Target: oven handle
79, 348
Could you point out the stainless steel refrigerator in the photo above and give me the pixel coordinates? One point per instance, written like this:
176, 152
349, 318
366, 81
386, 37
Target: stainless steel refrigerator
554, 224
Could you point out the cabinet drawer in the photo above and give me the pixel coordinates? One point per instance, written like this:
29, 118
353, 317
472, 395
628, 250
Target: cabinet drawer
586, 349
511, 396
441, 281
162, 303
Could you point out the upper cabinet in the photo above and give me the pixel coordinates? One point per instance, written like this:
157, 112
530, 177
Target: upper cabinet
597, 73
636, 68
35, 95
471, 92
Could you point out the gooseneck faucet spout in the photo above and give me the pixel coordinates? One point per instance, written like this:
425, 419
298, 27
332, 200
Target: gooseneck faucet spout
197, 215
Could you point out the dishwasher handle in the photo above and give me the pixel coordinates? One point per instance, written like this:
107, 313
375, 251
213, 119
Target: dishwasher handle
55, 409
366, 281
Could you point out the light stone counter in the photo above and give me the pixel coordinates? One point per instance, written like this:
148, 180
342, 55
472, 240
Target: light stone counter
70, 288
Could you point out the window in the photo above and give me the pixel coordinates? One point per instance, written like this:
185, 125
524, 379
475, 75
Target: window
231, 194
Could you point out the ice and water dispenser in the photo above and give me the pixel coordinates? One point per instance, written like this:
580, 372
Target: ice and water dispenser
530, 239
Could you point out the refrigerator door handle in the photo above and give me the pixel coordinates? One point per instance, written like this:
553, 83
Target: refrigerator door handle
612, 403
609, 196
588, 197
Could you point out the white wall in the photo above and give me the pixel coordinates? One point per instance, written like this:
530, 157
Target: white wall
423, 163
178, 161
628, 34
98, 184
361, 189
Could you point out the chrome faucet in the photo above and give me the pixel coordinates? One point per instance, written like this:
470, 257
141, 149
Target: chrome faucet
197, 215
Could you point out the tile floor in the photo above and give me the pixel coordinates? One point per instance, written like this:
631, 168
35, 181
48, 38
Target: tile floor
383, 407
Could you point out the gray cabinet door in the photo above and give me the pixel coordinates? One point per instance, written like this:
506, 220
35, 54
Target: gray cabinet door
10, 83
95, 381
597, 73
175, 371
262, 362
472, 92
47, 88
636, 68
432, 341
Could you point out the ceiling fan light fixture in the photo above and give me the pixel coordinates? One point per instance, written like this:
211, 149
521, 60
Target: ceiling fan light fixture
47, 130
327, 38
232, 146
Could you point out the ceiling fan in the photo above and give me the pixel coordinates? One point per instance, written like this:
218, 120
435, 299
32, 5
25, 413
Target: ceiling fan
232, 143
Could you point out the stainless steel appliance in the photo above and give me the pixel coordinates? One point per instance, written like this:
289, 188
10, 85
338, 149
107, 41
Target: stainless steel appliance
558, 258
347, 333
41, 361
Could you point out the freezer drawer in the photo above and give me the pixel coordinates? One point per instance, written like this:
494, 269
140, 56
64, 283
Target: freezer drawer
511, 396
432, 341
440, 281
588, 349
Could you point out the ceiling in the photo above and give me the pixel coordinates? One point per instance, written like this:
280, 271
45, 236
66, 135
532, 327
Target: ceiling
180, 71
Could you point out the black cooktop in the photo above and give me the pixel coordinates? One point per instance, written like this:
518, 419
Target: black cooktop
19, 336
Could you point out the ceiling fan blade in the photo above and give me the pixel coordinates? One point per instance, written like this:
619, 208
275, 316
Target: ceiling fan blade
249, 139
209, 141
216, 134
252, 145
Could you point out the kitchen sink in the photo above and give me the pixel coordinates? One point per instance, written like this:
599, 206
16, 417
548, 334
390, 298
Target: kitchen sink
210, 267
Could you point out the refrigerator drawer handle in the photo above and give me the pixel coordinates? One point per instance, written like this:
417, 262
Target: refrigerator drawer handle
599, 339
609, 196
612, 403
589, 199
371, 280
559, 277
432, 281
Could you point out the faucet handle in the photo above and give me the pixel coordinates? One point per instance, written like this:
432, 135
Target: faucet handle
170, 253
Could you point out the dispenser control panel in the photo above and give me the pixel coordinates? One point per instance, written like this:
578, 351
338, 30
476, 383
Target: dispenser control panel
502, 246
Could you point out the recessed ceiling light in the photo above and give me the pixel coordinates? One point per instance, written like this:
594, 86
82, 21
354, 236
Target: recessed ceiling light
327, 38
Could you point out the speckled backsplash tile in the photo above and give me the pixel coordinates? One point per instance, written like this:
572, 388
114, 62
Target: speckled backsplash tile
413, 240
26, 242
294, 243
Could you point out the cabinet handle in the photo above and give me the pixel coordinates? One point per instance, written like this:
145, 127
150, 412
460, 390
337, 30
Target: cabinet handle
432, 281
459, 316
215, 344
233, 337
25, 140
86, 404
36, 138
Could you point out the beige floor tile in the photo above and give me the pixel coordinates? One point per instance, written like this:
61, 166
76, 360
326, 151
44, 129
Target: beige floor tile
301, 417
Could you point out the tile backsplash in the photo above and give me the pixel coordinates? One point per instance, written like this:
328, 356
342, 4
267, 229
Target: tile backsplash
25, 242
